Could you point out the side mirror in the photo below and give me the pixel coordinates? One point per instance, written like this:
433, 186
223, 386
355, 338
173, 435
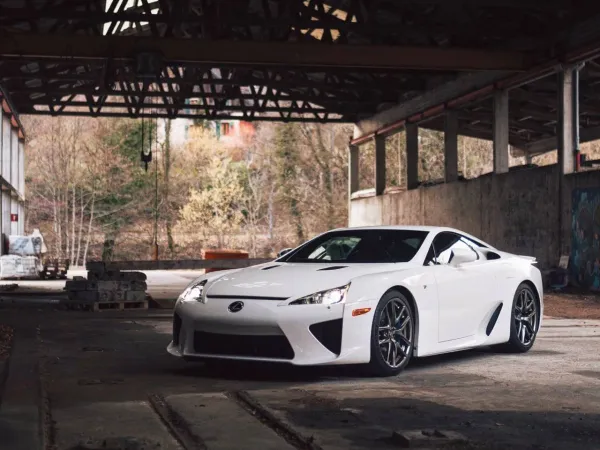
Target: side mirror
462, 256
283, 252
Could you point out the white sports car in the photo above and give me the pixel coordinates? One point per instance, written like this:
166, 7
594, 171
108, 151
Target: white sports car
376, 296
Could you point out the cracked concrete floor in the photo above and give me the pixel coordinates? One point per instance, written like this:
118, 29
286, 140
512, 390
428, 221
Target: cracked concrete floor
108, 383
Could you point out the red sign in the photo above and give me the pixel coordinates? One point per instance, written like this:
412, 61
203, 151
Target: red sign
14, 217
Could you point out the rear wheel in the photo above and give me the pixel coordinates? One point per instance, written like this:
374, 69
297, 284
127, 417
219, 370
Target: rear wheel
525, 320
392, 335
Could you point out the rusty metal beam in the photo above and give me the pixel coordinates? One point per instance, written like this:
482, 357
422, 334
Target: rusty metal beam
264, 54
304, 109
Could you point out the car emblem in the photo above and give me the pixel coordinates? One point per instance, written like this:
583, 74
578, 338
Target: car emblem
235, 307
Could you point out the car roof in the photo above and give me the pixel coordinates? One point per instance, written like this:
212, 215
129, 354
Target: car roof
415, 228
402, 227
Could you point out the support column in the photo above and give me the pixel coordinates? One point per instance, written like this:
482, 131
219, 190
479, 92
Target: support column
501, 132
451, 146
412, 156
352, 170
566, 133
379, 165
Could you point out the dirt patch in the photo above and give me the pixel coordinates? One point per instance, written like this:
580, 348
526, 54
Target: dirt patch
6, 334
572, 305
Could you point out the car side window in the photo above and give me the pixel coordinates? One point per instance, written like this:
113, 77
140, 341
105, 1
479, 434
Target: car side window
441, 251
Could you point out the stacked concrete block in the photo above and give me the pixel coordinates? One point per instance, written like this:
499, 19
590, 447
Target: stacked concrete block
108, 286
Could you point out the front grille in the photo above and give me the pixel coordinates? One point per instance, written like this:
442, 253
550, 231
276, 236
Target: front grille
329, 334
277, 347
244, 297
176, 328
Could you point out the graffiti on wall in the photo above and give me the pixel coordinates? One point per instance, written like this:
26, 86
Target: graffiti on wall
584, 266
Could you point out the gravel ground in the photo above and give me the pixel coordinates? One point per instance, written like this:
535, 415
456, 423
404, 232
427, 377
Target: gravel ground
572, 305
6, 334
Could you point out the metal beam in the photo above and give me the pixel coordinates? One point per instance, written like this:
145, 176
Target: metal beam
324, 117
465, 84
549, 144
261, 54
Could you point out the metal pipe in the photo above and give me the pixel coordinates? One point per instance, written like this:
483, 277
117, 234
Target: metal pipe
389, 129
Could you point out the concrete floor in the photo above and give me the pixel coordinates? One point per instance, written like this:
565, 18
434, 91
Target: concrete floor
104, 381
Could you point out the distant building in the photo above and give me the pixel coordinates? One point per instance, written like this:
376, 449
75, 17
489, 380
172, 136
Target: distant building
179, 131
233, 133
12, 174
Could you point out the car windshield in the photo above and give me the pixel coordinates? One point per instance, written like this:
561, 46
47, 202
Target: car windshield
360, 246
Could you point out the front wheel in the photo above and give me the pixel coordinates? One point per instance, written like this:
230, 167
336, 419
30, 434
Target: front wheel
524, 320
392, 335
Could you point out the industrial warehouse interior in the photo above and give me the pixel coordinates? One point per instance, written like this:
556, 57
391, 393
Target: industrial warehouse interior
328, 224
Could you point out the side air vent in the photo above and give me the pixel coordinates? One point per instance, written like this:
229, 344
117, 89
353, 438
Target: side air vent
268, 268
493, 320
491, 256
332, 268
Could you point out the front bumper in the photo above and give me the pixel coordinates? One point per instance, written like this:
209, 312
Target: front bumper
265, 331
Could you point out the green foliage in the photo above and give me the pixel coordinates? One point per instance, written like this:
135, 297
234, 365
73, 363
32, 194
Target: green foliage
216, 210
127, 138
285, 144
131, 187
287, 157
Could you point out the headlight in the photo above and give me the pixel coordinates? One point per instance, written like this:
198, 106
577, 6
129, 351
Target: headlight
328, 297
194, 293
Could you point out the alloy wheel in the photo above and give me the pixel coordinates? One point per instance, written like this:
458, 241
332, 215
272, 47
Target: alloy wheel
526, 316
395, 332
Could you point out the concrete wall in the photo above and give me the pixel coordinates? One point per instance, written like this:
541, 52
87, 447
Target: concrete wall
12, 182
517, 212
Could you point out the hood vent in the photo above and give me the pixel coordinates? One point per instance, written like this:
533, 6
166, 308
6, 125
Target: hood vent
267, 268
332, 268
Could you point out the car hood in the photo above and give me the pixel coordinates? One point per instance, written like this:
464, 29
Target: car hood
287, 280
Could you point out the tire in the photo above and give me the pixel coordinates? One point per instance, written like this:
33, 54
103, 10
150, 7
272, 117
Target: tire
524, 320
399, 337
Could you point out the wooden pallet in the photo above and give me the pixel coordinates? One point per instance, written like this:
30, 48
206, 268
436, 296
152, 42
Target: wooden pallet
106, 306
119, 306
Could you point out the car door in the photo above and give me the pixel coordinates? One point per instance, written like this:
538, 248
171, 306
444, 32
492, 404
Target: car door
465, 291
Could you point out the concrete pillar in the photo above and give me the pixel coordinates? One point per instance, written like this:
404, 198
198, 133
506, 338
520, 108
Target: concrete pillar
451, 146
21, 219
14, 210
6, 202
352, 169
21, 167
379, 165
14, 158
501, 132
566, 133
412, 156
3, 250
